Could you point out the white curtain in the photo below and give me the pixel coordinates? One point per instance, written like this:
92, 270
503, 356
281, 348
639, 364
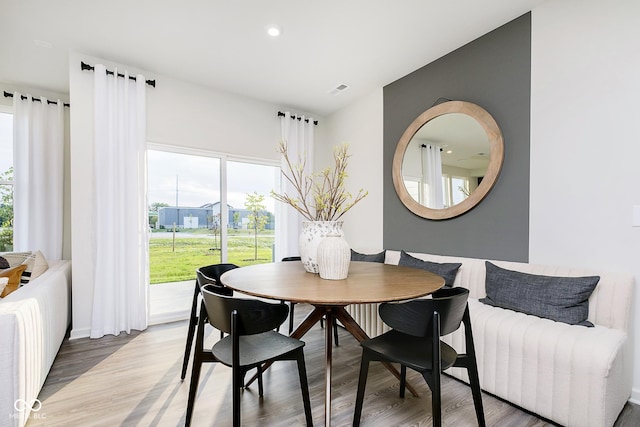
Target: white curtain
432, 176
38, 129
120, 301
298, 135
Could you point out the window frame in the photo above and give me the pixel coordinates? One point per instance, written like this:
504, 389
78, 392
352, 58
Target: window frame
224, 159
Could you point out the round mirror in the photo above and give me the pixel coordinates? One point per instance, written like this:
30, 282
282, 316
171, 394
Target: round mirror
447, 160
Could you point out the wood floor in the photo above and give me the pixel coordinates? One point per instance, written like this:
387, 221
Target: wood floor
134, 380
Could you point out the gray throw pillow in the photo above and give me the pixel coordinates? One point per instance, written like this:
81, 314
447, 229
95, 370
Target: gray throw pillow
563, 299
379, 257
448, 270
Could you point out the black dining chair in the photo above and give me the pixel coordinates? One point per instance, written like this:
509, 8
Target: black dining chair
251, 342
414, 342
293, 304
209, 274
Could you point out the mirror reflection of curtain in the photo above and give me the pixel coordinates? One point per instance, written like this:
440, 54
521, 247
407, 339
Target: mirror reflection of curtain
432, 176
298, 134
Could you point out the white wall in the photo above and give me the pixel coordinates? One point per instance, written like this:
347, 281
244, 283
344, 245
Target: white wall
359, 125
585, 138
178, 114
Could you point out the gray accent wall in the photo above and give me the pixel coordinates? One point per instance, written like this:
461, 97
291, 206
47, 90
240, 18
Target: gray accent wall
493, 71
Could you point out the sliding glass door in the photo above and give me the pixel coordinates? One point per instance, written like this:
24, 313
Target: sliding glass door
184, 205
252, 225
205, 209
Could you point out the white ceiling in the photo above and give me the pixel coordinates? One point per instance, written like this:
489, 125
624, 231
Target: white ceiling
222, 44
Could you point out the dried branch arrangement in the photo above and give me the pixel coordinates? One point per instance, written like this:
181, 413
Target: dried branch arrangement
319, 196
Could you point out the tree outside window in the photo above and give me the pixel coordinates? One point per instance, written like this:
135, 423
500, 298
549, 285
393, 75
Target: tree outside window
257, 217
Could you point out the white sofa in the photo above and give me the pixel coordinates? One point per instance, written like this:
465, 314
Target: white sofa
572, 375
33, 323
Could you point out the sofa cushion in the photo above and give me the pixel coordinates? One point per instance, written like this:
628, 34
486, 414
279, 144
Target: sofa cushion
447, 270
36, 265
14, 274
563, 299
357, 256
15, 258
4, 264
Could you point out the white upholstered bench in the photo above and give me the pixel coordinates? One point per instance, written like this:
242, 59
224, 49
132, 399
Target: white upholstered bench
570, 374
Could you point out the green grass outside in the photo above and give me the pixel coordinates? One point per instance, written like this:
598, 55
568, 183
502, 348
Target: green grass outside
169, 265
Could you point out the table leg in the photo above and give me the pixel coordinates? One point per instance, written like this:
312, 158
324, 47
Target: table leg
308, 322
328, 347
359, 334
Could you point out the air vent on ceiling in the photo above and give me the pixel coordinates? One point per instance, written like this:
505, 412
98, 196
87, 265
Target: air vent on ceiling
338, 89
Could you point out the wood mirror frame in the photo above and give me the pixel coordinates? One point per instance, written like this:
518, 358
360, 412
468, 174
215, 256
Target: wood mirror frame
496, 145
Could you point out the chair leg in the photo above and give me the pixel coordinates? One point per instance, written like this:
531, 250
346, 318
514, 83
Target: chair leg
291, 310
474, 381
193, 321
362, 383
403, 380
436, 398
469, 361
197, 365
236, 373
236, 386
433, 381
260, 387
304, 385
193, 388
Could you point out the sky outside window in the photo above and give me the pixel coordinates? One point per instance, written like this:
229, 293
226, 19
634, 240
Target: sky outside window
192, 180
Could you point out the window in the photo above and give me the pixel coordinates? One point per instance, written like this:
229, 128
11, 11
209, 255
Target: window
413, 188
6, 179
251, 229
455, 189
207, 208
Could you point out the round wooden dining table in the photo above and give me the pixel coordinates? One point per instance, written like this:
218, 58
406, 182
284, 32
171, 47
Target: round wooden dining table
367, 282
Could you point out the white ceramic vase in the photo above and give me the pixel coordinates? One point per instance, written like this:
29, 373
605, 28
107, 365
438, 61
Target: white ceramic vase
312, 234
334, 256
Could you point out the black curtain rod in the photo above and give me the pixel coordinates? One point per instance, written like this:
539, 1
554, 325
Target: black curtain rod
425, 146
281, 114
10, 95
84, 66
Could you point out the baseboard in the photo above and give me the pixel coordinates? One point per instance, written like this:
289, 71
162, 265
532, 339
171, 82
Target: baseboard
153, 320
156, 319
79, 333
635, 396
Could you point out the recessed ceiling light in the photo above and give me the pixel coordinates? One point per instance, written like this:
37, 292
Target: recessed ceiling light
274, 30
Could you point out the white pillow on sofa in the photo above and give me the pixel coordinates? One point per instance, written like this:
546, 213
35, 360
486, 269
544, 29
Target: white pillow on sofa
36, 265
15, 258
